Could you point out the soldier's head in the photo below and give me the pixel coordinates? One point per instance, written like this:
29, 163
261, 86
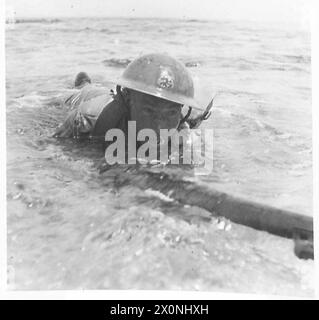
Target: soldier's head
154, 113
157, 86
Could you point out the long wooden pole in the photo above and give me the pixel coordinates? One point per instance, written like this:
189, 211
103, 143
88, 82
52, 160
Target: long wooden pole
258, 216
276, 221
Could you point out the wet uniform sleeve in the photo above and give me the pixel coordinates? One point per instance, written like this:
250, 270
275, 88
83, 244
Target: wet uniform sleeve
72, 100
92, 118
76, 125
65, 130
60, 99
86, 106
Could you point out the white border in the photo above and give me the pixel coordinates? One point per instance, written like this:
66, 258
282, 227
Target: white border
147, 295
3, 174
315, 130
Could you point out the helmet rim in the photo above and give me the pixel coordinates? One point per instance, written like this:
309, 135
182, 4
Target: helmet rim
161, 76
169, 96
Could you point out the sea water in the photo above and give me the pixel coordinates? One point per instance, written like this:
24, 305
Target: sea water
71, 228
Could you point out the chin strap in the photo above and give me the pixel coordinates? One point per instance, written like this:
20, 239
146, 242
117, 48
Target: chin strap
207, 113
196, 122
119, 93
187, 116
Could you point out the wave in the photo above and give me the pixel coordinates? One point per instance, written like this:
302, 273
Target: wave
115, 62
108, 31
298, 58
196, 20
122, 63
9, 21
252, 126
288, 58
87, 29
244, 64
289, 68
193, 64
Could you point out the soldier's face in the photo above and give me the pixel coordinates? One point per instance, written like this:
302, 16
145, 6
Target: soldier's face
154, 113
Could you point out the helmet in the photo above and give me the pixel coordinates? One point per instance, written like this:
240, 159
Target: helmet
161, 76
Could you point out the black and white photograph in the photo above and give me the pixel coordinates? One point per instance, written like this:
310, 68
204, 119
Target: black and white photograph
159, 145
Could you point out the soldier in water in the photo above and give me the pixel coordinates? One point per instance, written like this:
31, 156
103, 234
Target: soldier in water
152, 91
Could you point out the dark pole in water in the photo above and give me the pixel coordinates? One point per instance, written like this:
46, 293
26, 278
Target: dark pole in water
255, 215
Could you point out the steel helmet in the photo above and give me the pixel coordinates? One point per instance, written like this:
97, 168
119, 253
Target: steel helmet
162, 76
